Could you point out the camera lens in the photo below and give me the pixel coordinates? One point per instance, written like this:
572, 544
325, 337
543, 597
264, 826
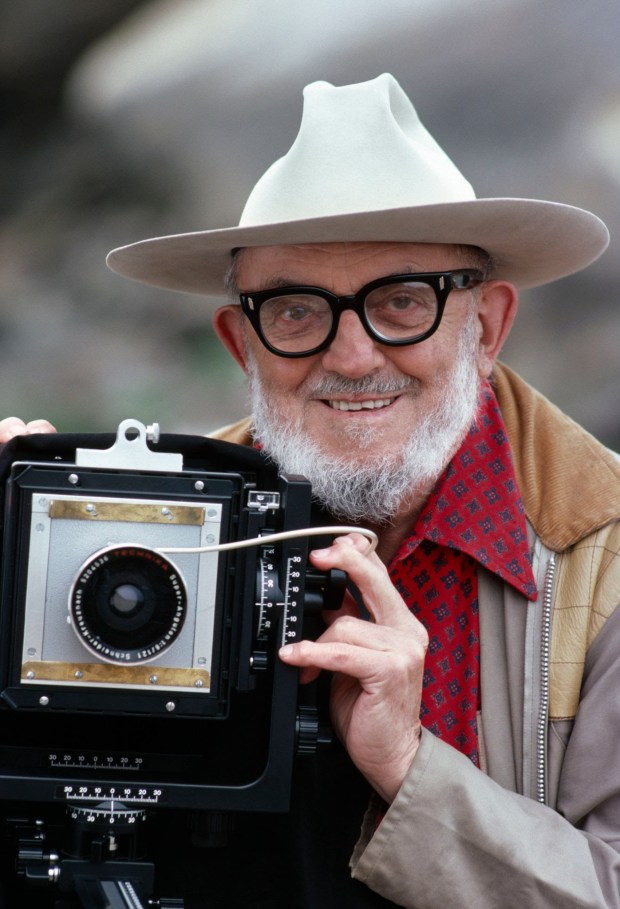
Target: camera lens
128, 604
126, 598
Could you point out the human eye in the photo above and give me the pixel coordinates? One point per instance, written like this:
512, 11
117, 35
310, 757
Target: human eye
294, 312
294, 315
291, 309
409, 297
409, 306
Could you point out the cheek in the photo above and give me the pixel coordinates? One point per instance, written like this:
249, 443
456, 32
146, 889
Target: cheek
280, 376
432, 360
424, 362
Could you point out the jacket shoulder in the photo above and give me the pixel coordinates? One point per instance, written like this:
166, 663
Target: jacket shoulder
240, 432
569, 482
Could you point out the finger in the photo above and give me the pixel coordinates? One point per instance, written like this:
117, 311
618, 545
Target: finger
360, 633
369, 574
39, 426
371, 667
335, 657
353, 646
11, 427
356, 540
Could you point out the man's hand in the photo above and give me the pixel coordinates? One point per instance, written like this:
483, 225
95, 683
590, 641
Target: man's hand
13, 426
378, 668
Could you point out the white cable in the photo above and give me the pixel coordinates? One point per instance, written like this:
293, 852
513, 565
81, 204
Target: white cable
277, 537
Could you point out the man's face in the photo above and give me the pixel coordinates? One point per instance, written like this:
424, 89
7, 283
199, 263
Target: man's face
407, 383
361, 409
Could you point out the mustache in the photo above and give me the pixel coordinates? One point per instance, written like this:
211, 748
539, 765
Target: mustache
334, 384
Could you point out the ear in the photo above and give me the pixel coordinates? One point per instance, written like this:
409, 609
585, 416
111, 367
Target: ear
497, 308
228, 328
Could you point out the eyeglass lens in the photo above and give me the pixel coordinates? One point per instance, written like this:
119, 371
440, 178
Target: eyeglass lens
397, 312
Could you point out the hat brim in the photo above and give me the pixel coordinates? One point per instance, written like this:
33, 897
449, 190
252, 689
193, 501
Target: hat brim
531, 241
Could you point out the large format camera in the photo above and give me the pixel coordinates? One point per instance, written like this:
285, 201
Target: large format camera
146, 588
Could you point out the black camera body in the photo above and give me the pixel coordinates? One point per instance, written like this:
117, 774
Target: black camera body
138, 662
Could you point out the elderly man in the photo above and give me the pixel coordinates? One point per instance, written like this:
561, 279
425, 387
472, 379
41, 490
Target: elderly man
372, 293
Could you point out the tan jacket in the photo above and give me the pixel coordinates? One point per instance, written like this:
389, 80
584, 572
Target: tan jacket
550, 725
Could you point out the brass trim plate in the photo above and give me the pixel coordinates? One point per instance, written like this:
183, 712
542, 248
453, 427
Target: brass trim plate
131, 512
108, 673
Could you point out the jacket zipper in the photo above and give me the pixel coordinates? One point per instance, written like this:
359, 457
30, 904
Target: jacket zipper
543, 715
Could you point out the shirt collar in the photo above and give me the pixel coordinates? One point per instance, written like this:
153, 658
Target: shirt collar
476, 505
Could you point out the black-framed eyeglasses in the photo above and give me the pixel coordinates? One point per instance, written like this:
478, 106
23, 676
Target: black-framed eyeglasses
401, 309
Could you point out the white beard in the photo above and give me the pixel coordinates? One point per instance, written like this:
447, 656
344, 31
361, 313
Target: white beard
373, 488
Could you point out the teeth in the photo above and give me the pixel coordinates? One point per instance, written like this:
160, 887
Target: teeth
361, 405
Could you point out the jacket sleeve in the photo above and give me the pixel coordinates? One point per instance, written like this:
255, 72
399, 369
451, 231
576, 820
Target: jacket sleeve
455, 837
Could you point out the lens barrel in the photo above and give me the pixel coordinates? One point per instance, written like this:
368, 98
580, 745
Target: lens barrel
128, 604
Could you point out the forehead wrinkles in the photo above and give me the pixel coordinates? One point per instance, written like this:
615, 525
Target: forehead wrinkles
281, 280
341, 267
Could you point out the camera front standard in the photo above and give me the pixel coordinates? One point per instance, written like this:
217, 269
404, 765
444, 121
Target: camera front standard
146, 589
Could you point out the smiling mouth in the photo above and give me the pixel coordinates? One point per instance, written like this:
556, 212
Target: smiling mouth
360, 405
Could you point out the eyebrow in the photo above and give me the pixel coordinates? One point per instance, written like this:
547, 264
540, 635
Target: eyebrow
282, 280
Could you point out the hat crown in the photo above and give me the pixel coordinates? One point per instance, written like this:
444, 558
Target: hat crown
359, 148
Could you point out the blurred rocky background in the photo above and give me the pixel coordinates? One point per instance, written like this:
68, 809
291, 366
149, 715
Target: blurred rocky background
124, 119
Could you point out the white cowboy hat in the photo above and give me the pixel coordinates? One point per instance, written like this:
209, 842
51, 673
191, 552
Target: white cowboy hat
364, 168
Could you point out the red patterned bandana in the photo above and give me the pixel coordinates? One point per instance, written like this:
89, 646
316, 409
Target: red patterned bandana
474, 517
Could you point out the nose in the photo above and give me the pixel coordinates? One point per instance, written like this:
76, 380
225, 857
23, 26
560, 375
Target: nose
353, 352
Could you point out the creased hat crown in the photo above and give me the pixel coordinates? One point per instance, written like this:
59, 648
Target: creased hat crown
359, 148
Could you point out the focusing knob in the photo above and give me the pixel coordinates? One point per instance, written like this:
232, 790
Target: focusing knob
311, 734
259, 661
324, 590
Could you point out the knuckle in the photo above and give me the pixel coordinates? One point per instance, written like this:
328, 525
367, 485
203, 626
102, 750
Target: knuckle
340, 657
344, 624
